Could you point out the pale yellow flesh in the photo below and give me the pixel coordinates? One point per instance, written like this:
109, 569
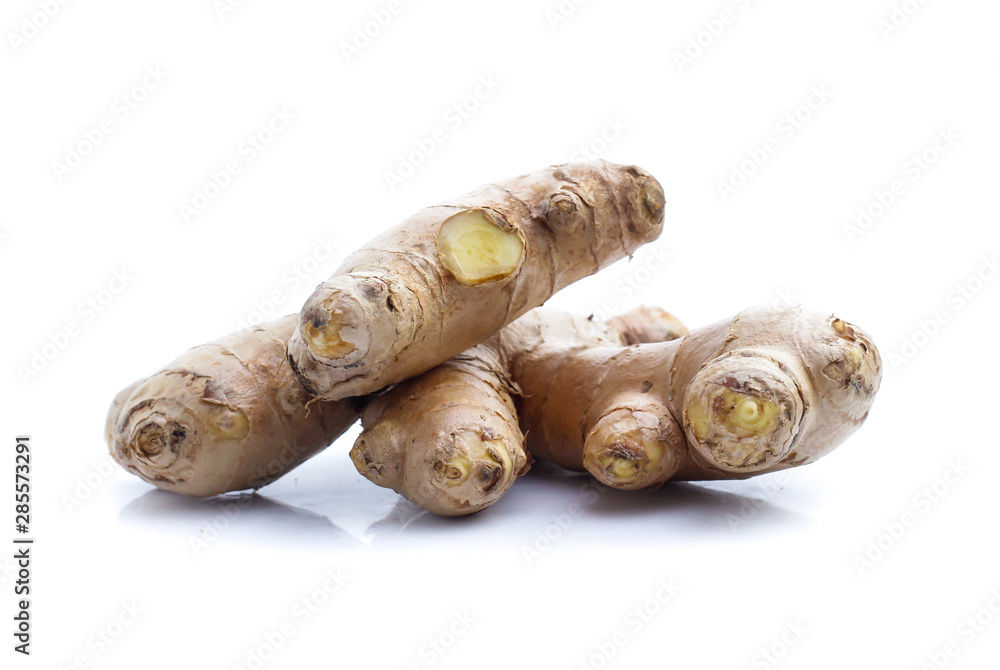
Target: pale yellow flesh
477, 250
622, 468
456, 470
738, 427
626, 453
628, 469
229, 423
326, 341
747, 413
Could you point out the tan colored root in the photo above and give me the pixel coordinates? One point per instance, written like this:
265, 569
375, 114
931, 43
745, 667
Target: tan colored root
448, 440
768, 390
743, 411
225, 416
648, 324
634, 446
451, 276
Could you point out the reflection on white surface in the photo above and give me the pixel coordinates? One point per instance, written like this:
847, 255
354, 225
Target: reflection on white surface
244, 517
325, 504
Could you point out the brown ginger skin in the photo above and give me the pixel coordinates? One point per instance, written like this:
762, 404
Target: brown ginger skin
768, 390
452, 275
225, 416
627, 401
449, 439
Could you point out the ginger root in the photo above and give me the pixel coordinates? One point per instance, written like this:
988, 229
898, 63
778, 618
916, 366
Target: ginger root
449, 439
625, 400
768, 390
226, 416
451, 276
443, 307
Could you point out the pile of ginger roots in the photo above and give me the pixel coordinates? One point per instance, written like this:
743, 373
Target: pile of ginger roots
434, 336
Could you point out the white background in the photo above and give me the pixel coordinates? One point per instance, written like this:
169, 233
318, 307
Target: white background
816, 566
